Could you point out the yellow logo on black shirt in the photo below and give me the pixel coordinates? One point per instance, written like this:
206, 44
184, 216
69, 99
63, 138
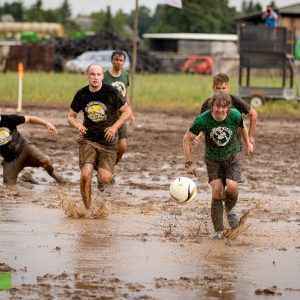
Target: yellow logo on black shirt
96, 111
5, 136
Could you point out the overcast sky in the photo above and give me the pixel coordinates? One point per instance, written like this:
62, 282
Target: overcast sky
88, 6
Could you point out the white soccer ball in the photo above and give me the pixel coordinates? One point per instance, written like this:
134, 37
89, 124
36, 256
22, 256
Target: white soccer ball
183, 189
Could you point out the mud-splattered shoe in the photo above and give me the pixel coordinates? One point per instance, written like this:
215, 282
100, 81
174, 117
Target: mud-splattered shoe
27, 177
89, 214
100, 186
232, 218
217, 235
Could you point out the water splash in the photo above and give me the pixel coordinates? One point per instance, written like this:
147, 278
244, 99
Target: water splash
76, 209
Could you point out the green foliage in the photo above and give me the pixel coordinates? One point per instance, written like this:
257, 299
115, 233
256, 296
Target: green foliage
108, 22
15, 9
196, 16
214, 16
64, 12
250, 7
36, 13
98, 21
145, 20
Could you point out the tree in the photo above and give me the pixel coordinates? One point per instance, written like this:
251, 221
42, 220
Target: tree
65, 12
108, 22
15, 9
145, 20
249, 7
214, 16
98, 21
35, 12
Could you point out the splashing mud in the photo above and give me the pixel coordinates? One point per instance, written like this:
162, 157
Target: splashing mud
232, 234
76, 209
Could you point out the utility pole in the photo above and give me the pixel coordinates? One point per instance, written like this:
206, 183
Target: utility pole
134, 51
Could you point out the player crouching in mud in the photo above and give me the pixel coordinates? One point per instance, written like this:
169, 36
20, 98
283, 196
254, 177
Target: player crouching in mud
219, 126
18, 152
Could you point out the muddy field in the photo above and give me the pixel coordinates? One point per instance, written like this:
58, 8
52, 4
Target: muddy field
147, 246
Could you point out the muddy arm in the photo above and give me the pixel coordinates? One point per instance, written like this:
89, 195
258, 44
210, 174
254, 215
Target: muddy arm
125, 115
73, 122
253, 119
187, 151
248, 144
35, 120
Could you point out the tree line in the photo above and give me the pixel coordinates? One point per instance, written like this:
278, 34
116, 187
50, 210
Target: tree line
196, 16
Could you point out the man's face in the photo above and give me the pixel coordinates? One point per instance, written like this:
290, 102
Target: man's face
220, 110
95, 76
222, 87
118, 62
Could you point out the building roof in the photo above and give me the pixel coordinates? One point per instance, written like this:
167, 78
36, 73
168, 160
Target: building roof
293, 9
191, 36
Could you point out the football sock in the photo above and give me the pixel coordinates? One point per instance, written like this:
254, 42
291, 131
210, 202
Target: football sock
230, 200
217, 214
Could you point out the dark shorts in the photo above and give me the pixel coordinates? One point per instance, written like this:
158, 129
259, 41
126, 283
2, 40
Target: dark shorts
122, 132
30, 156
228, 169
99, 156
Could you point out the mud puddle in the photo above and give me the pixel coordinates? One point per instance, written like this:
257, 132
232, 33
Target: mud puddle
43, 244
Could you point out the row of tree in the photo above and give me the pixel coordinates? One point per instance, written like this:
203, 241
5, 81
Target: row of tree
214, 16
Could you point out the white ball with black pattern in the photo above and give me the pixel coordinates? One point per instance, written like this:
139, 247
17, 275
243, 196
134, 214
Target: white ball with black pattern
183, 190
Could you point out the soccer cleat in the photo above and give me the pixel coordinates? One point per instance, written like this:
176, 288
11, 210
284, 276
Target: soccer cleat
232, 218
217, 235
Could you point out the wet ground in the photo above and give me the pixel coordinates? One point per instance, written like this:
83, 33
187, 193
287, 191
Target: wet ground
147, 246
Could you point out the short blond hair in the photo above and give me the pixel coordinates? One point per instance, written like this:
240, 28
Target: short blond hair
219, 79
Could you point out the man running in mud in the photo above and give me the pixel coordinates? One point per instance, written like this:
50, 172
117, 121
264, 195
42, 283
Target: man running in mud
18, 152
221, 83
219, 125
119, 78
104, 111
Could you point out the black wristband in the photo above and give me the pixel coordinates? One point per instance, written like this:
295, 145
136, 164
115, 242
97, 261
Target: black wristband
188, 164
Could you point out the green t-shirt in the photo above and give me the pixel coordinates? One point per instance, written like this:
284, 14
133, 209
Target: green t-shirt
120, 83
221, 141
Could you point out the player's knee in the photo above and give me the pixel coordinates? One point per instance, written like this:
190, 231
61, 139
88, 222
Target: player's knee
218, 192
46, 162
85, 175
232, 187
122, 146
105, 178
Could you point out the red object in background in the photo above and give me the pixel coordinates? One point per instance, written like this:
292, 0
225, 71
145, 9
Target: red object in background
198, 64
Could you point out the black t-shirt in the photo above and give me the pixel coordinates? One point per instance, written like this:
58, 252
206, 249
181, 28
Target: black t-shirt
237, 103
11, 141
100, 110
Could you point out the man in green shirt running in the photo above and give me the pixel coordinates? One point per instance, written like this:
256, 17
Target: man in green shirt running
219, 126
119, 78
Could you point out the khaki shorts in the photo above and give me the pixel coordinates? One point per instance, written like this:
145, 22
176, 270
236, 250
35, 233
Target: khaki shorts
97, 155
30, 156
228, 169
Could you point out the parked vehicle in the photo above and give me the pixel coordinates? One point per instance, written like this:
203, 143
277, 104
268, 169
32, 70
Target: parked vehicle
102, 57
198, 64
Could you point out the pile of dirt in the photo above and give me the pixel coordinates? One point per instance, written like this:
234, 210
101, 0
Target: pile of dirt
66, 49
